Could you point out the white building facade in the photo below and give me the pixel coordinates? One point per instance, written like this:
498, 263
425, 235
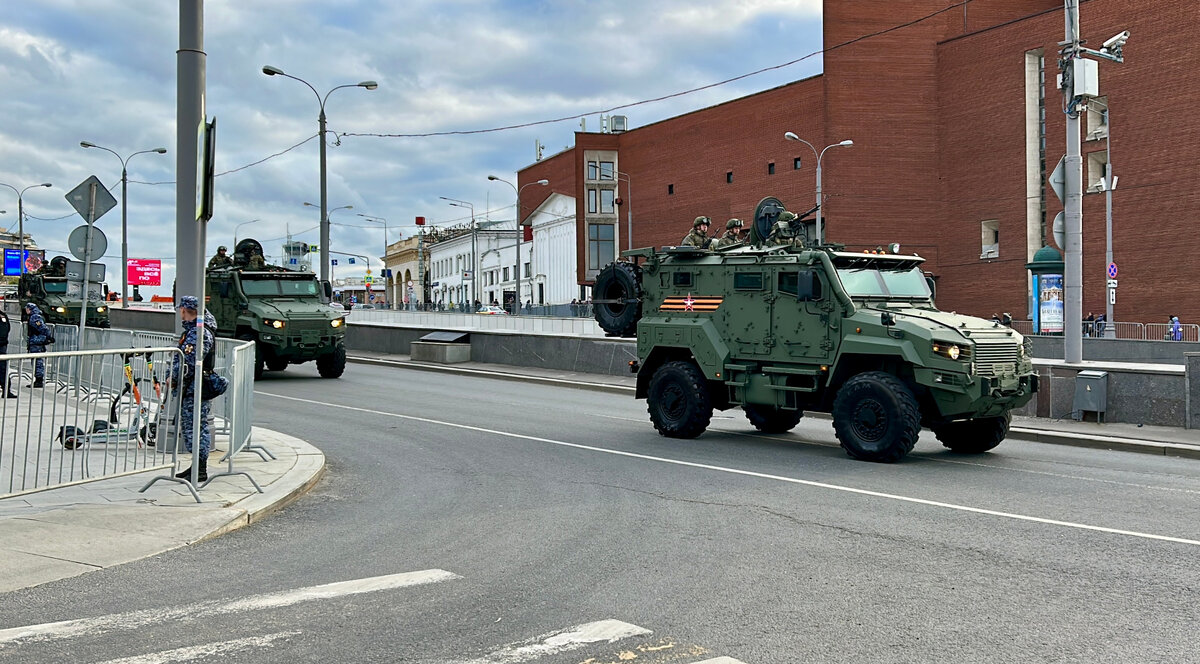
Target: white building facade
554, 251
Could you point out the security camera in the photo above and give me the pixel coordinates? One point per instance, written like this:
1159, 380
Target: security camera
1117, 41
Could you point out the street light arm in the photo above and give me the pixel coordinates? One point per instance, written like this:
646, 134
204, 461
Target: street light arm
791, 136
275, 71
370, 85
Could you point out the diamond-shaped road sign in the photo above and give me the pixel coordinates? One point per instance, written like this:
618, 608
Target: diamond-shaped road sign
80, 198
1058, 179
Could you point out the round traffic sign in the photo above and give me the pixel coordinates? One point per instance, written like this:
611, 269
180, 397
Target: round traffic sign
410, 283
1112, 270
77, 242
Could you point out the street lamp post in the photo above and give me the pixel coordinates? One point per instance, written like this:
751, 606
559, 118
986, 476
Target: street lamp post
21, 215
517, 274
235, 230
370, 85
791, 136
380, 220
325, 235
474, 249
124, 211
628, 208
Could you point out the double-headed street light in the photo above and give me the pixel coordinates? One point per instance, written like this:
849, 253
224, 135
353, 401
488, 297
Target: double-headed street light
370, 85
21, 214
791, 136
124, 211
383, 222
517, 209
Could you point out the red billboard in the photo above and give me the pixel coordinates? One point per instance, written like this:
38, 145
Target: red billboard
145, 272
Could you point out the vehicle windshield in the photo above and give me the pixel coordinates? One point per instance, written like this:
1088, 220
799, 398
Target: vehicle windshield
55, 287
871, 282
280, 287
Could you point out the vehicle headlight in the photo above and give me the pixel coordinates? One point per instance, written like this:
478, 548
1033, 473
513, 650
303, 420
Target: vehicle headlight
277, 324
949, 351
61, 310
101, 310
337, 322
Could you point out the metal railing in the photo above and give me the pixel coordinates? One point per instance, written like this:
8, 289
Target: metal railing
1125, 330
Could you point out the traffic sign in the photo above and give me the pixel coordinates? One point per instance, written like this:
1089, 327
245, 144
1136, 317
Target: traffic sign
1059, 229
80, 198
77, 242
1112, 296
410, 283
1058, 179
1112, 283
1112, 270
333, 261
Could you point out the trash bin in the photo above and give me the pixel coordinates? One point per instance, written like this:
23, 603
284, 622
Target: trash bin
1091, 394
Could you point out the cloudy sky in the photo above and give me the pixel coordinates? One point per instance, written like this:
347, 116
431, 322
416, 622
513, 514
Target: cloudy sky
104, 71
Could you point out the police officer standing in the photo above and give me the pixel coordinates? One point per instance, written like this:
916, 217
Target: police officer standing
699, 235
5, 383
220, 260
183, 383
733, 233
37, 335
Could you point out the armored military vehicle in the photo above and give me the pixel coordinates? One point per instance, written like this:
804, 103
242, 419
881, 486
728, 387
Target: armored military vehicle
60, 298
780, 328
285, 313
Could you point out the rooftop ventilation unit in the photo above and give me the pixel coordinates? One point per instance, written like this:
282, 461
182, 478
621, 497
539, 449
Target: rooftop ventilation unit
618, 124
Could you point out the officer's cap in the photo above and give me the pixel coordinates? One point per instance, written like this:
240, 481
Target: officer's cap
189, 302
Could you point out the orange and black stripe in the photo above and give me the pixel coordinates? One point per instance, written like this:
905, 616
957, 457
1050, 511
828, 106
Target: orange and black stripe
693, 303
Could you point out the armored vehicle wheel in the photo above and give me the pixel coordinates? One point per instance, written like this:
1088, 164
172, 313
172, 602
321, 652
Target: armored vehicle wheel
876, 417
332, 365
617, 299
258, 355
277, 364
974, 436
678, 400
768, 419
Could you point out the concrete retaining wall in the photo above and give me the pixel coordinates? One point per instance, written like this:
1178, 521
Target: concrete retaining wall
1193, 391
1118, 350
1136, 394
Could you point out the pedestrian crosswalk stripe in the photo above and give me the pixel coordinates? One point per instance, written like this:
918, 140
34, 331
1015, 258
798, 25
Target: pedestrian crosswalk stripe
135, 619
601, 631
218, 649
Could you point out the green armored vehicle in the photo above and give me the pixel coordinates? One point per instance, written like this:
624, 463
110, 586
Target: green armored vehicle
59, 298
777, 329
286, 313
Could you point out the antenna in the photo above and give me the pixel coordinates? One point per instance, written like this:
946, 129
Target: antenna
537, 149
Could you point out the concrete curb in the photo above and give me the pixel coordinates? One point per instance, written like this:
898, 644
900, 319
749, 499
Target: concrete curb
1159, 448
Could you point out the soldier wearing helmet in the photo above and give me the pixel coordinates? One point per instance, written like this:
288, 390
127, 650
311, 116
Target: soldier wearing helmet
220, 260
699, 235
734, 233
783, 233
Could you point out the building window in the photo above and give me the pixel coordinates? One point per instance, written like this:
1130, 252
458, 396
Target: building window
527, 270
1097, 163
606, 170
600, 245
670, 190
592, 173
606, 201
729, 177
771, 168
796, 164
591, 201
505, 274
990, 238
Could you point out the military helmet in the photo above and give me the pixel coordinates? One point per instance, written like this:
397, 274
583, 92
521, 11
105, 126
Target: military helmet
700, 220
733, 223
787, 216
222, 248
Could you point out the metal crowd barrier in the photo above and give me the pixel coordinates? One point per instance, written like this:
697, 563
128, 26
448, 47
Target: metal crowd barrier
1163, 331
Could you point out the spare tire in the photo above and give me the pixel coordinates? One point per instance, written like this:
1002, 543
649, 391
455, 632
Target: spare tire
617, 299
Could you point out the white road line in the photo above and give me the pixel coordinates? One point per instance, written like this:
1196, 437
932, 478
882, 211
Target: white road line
601, 631
135, 619
721, 660
766, 476
220, 648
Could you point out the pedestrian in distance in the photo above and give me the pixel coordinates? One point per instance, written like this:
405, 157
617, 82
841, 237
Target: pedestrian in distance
698, 237
37, 336
5, 382
1101, 319
1089, 324
1175, 330
183, 380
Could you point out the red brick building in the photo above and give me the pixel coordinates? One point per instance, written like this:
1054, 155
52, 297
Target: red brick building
949, 111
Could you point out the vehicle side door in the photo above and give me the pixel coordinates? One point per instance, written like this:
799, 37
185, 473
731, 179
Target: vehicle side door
806, 315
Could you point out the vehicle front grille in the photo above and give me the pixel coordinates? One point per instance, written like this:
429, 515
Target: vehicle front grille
990, 354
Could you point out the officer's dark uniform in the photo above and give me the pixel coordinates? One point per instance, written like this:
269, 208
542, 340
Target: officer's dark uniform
37, 336
182, 382
5, 328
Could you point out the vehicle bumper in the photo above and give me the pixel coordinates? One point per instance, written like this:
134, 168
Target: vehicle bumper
959, 396
301, 346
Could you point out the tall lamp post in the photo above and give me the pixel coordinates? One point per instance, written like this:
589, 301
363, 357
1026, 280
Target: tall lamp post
370, 85
517, 210
21, 214
236, 228
124, 210
628, 209
325, 214
791, 136
474, 250
381, 220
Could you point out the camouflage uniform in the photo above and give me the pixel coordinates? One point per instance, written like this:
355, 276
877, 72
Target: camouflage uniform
37, 334
732, 234
182, 382
698, 237
220, 260
782, 233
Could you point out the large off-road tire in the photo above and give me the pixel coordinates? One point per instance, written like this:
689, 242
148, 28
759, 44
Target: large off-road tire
876, 417
332, 365
974, 436
769, 419
617, 298
277, 364
678, 400
259, 360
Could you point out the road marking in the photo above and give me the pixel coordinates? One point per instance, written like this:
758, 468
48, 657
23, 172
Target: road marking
220, 648
722, 660
749, 473
601, 631
135, 619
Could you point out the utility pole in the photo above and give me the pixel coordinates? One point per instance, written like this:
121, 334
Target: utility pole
189, 113
1079, 81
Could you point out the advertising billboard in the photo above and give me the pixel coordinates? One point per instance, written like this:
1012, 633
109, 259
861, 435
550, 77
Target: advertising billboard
145, 272
12, 261
1050, 304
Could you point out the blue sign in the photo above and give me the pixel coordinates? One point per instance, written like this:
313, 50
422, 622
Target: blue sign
352, 261
12, 261
333, 262
293, 261
1112, 270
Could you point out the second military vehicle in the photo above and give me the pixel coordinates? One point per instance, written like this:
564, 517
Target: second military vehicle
284, 312
776, 329
60, 298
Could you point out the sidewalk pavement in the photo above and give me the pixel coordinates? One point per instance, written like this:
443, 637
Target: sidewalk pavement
64, 532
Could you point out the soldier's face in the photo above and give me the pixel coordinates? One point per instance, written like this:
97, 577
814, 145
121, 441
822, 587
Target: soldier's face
703, 228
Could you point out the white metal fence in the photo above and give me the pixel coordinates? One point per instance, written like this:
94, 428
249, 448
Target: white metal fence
1125, 330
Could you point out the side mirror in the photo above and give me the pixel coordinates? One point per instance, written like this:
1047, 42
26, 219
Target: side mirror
327, 289
887, 319
932, 288
808, 286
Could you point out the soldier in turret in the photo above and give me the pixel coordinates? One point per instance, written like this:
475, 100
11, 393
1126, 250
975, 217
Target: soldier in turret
699, 235
783, 233
734, 234
220, 260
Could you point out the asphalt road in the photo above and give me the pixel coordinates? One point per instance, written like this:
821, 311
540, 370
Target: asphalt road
477, 520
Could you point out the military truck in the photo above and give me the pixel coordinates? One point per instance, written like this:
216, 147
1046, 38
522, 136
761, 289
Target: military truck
780, 329
284, 312
60, 299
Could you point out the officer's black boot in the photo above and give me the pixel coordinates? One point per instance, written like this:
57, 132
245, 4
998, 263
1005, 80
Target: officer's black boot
39, 382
